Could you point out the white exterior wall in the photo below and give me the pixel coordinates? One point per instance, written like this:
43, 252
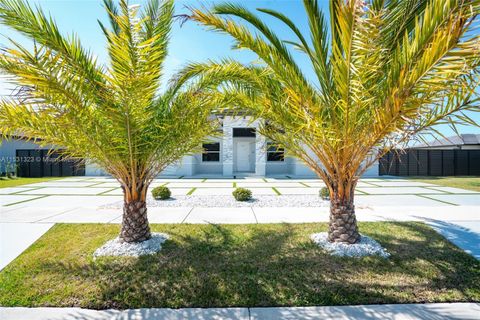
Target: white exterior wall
91, 169
209, 167
259, 167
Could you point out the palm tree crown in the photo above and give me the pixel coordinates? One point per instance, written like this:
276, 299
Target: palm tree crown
113, 115
385, 71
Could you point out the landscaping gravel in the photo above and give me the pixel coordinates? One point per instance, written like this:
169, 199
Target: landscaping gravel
230, 202
116, 248
366, 247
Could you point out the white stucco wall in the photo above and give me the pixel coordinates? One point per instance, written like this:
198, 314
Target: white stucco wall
91, 169
209, 167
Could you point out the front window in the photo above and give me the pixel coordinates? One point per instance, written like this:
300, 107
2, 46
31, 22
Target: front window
244, 132
275, 152
211, 152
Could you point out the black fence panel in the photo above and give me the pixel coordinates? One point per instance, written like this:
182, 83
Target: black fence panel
462, 163
474, 161
420, 162
448, 163
435, 162
38, 163
412, 163
23, 168
403, 164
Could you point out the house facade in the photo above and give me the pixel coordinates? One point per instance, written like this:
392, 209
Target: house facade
239, 150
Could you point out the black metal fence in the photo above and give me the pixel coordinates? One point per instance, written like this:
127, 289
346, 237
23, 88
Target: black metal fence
38, 163
420, 162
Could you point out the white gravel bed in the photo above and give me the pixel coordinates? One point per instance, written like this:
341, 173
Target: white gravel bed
366, 247
116, 248
230, 202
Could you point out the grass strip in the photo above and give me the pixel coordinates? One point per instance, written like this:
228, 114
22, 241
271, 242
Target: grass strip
18, 202
276, 191
462, 182
427, 197
23, 181
104, 192
30, 189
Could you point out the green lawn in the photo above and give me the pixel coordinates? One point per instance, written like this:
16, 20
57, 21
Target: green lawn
238, 265
21, 181
468, 183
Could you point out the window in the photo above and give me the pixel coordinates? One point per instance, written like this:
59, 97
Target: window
244, 132
275, 152
211, 153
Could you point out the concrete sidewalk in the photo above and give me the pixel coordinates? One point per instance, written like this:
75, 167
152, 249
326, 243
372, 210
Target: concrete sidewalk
17, 237
243, 215
432, 311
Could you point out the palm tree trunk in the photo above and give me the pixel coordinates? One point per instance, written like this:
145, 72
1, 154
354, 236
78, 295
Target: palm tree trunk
343, 223
135, 227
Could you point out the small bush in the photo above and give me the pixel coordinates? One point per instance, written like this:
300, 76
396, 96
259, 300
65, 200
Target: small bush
11, 175
242, 194
324, 193
161, 193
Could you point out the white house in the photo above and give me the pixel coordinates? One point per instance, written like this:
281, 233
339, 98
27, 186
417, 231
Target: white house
239, 151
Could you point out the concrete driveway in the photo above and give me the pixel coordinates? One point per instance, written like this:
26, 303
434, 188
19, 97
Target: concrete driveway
97, 191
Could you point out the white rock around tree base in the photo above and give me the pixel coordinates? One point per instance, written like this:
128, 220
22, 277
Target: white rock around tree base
117, 248
365, 247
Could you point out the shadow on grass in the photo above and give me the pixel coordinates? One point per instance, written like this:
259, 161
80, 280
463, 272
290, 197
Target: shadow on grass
272, 265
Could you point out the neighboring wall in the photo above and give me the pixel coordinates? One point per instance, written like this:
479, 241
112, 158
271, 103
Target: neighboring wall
431, 162
9, 147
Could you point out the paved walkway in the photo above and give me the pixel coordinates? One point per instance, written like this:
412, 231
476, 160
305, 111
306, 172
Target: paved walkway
17, 237
436, 311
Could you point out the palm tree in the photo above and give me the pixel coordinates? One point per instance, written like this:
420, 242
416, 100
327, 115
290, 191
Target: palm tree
384, 71
112, 115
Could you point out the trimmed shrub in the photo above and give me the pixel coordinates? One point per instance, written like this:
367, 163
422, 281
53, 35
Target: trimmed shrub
161, 193
11, 175
324, 193
242, 194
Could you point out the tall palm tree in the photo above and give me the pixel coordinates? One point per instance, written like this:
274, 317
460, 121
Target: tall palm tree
384, 70
111, 114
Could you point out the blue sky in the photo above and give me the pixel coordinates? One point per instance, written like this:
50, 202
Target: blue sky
189, 42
